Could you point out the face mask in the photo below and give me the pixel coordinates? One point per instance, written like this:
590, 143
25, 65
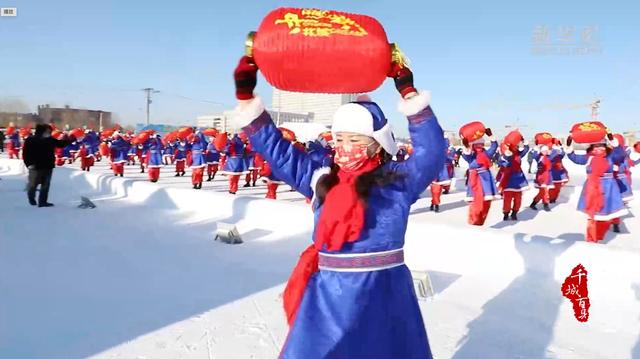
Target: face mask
46, 134
354, 159
478, 147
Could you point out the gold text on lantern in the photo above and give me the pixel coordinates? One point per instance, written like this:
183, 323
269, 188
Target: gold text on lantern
320, 23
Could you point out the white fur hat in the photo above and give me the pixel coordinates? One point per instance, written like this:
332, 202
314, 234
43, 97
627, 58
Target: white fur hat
365, 118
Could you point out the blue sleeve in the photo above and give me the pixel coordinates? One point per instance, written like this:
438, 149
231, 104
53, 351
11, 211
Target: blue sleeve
492, 149
469, 158
578, 159
618, 155
524, 151
287, 162
636, 162
504, 161
553, 155
427, 160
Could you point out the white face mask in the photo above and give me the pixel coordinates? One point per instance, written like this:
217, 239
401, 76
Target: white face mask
46, 134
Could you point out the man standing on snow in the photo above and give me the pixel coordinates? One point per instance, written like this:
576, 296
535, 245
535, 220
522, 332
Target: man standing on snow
38, 156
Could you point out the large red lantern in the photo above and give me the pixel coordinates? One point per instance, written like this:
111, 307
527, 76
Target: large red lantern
221, 141
25, 131
472, 131
210, 132
78, 133
513, 139
544, 139
321, 51
184, 132
636, 146
588, 132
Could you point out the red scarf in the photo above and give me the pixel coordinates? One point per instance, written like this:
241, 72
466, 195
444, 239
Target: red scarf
341, 221
594, 199
542, 177
483, 162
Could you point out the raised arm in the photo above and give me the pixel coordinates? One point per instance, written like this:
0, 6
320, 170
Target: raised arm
492, 148
576, 158
428, 142
524, 150
287, 162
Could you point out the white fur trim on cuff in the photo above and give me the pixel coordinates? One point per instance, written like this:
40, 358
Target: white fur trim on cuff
316, 177
245, 113
568, 149
466, 151
415, 104
614, 142
492, 138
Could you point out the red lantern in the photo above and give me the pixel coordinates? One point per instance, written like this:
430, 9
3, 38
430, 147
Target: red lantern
57, 134
221, 141
472, 131
513, 138
107, 133
588, 132
544, 139
321, 51
210, 132
11, 130
78, 133
184, 132
636, 146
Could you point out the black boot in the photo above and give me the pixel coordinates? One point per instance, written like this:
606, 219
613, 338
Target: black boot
247, 184
195, 186
183, 173
32, 201
177, 174
514, 215
253, 184
616, 228
122, 175
505, 216
432, 207
209, 178
437, 208
45, 204
533, 206
546, 207
446, 191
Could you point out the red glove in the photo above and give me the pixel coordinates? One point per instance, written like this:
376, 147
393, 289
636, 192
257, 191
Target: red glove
403, 78
245, 77
488, 132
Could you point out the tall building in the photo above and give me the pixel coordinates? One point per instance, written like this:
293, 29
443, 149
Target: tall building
222, 121
320, 106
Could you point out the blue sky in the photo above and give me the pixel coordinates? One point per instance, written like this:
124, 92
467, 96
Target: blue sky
477, 58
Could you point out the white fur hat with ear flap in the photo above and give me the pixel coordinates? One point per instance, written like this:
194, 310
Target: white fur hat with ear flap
365, 118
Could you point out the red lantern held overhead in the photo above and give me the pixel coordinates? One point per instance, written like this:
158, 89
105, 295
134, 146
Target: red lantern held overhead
589, 132
78, 133
636, 146
321, 51
472, 131
544, 139
221, 141
184, 132
513, 139
210, 132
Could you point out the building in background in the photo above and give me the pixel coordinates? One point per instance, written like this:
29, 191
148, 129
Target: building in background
319, 107
222, 121
67, 117
18, 119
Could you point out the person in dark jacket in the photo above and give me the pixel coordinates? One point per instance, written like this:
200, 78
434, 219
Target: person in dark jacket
2, 138
38, 156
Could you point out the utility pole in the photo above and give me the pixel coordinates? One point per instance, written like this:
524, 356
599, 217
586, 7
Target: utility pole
149, 91
595, 105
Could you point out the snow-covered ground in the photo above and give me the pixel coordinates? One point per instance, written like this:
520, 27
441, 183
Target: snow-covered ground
140, 276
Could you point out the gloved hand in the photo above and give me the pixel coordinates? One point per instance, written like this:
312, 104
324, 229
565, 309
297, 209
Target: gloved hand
403, 79
465, 142
488, 132
569, 141
245, 78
